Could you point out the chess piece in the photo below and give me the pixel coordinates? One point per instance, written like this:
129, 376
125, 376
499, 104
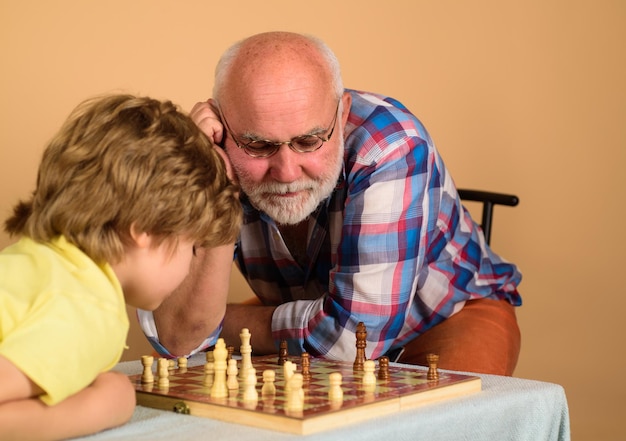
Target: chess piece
305, 362
209, 370
269, 388
361, 335
335, 393
146, 376
182, 364
289, 368
369, 378
283, 354
246, 353
433, 373
219, 389
209, 356
295, 397
383, 368
163, 365
268, 403
231, 351
231, 372
249, 392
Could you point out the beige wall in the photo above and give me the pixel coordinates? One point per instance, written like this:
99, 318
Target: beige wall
523, 97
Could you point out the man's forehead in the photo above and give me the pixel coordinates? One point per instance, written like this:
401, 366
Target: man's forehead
279, 124
269, 106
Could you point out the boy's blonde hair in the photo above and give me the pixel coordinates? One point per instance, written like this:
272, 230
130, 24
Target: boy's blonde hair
122, 160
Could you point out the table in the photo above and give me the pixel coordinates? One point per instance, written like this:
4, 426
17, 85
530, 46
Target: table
506, 409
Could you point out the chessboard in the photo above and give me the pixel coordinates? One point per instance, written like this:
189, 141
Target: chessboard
188, 391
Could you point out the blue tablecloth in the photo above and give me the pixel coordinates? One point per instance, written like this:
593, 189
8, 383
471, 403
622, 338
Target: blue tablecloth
506, 409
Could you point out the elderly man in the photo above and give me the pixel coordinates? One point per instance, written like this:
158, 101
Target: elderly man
349, 216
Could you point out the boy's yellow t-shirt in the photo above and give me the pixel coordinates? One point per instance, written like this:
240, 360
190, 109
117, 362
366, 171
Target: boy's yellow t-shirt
63, 317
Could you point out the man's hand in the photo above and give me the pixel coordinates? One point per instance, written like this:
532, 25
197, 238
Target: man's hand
206, 117
258, 319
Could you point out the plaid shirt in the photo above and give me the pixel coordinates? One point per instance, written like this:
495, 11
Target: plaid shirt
392, 247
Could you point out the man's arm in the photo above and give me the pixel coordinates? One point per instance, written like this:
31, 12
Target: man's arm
258, 319
196, 308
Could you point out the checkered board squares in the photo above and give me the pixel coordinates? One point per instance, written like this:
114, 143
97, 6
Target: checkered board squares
406, 388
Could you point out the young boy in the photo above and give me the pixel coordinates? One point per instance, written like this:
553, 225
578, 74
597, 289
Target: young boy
126, 191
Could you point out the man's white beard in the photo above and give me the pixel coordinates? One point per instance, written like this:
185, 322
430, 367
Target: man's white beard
265, 196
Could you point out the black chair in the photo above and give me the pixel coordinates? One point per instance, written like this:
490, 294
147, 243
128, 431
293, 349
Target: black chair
488, 200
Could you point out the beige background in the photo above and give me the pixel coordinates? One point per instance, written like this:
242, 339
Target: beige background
523, 97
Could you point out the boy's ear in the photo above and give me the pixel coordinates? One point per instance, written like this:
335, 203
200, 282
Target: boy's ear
140, 238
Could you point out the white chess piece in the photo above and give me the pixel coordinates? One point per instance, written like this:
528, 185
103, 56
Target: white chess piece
246, 353
249, 393
289, 368
369, 377
335, 393
220, 353
147, 376
231, 372
295, 397
164, 381
269, 388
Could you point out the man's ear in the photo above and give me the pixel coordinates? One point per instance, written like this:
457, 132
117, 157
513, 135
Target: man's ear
140, 238
347, 103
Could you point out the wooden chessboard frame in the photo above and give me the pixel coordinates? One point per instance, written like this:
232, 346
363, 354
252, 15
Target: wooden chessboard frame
407, 388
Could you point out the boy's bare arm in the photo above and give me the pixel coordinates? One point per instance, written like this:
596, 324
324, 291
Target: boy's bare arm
14, 384
196, 308
108, 402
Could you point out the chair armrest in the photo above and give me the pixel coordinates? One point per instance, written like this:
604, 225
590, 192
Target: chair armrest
488, 199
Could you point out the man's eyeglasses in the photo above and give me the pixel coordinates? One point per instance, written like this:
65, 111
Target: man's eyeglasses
263, 148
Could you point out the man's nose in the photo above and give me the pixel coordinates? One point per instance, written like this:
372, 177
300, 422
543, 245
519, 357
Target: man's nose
285, 165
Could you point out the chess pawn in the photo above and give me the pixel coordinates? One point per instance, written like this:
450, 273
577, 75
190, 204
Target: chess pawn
249, 392
209, 356
232, 396
146, 376
295, 396
163, 365
209, 370
182, 364
369, 378
283, 353
305, 362
335, 393
231, 382
268, 404
383, 368
269, 388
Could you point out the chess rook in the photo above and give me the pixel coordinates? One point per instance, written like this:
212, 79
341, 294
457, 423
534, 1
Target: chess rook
433, 373
147, 361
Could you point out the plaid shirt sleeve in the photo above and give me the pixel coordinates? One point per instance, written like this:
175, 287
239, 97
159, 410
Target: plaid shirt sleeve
408, 255
148, 326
